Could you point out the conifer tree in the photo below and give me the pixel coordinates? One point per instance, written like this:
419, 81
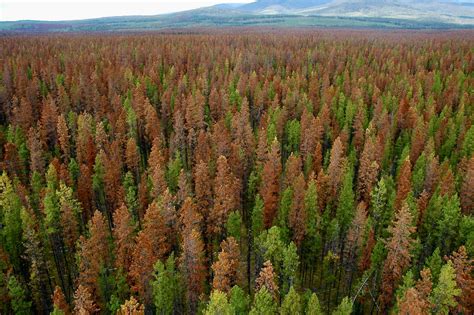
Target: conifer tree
203, 188
226, 196
290, 266
131, 307
192, 267
83, 302
344, 308
19, 300
239, 300
63, 137
226, 267
298, 217
166, 287
10, 205
313, 307
403, 183
151, 245
463, 266
416, 299
412, 303
266, 278
345, 207
445, 293
264, 303
257, 216
434, 263
336, 166
132, 158
51, 201
123, 232
291, 303
60, 304
234, 225
467, 190
271, 183
93, 255
157, 168
218, 304
284, 211
71, 215
368, 170
398, 258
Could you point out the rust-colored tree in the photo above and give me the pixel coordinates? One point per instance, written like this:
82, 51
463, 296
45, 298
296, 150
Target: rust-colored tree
189, 217
83, 302
193, 267
203, 188
317, 158
336, 166
132, 157
368, 170
226, 267
169, 212
151, 244
152, 123
464, 266
59, 301
365, 261
112, 178
48, 122
157, 168
467, 190
418, 140
85, 148
398, 258
123, 232
183, 187
293, 169
143, 196
63, 137
403, 183
297, 217
412, 303
131, 307
416, 299
266, 278
355, 237
311, 133
242, 131
203, 148
93, 253
227, 196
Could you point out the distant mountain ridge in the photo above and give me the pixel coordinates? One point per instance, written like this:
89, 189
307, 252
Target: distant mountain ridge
402, 14
450, 11
287, 4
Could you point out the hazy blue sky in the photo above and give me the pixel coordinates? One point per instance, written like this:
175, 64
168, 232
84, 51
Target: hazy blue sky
11, 10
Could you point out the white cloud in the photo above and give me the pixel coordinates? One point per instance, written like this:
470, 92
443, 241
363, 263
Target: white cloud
53, 10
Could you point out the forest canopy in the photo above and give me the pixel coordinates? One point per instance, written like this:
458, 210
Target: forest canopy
289, 172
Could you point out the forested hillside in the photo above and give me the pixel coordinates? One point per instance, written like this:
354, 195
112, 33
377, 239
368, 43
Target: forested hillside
266, 172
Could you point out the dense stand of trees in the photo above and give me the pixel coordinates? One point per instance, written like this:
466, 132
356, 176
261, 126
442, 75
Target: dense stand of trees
292, 172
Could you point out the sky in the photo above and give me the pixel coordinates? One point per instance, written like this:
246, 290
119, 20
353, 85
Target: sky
54, 10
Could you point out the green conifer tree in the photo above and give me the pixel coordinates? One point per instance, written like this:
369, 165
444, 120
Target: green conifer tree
263, 303
219, 305
19, 299
291, 303
444, 294
239, 300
